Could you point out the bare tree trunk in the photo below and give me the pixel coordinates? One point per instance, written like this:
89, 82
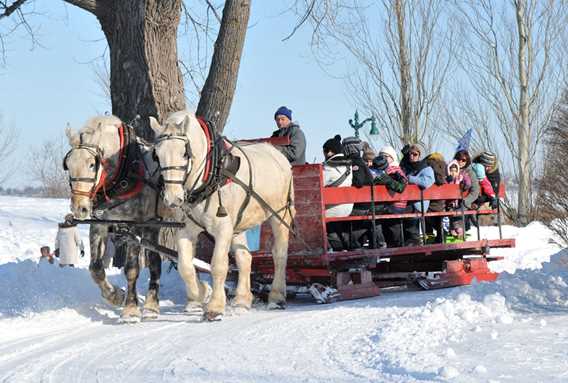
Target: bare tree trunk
408, 135
218, 91
523, 130
145, 76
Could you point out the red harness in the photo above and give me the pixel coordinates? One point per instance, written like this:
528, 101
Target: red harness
210, 143
107, 179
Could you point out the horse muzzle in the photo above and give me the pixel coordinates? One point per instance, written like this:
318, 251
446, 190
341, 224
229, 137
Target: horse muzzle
173, 199
81, 207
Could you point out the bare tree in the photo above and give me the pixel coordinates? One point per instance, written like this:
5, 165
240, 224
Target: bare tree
145, 74
552, 202
403, 50
217, 95
45, 168
8, 139
509, 56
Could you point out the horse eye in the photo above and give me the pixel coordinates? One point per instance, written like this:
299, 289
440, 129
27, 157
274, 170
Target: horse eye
92, 166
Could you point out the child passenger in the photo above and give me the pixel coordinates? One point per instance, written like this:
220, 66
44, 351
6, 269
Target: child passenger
487, 192
457, 177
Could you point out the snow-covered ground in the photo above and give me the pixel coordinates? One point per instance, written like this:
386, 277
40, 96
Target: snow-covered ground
54, 327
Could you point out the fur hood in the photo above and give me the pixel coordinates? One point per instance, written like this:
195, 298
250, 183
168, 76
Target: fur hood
389, 150
438, 164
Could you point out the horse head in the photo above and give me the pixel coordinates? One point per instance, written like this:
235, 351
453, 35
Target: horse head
94, 148
175, 154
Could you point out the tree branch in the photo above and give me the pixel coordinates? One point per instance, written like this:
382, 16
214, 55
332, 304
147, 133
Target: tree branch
8, 10
87, 5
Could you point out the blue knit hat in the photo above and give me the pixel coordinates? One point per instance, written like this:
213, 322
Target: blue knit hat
478, 170
283, 111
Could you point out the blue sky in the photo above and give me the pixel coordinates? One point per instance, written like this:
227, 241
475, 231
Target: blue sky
43, 89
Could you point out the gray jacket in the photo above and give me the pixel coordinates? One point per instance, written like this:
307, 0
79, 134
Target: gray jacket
475, 189
296, 151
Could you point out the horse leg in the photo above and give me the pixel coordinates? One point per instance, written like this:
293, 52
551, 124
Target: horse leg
131, 312
97, 239
277, 296
219, 269
243, 297
152, 303
197, 291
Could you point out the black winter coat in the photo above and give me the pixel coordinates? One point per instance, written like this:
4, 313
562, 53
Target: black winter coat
296, 151
361, 177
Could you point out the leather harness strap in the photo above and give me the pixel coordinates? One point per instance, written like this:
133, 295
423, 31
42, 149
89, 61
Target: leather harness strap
125, 182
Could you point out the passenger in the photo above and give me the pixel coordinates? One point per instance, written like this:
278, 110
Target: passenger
295, 152
390, 154
486, 190
418, 173
368, 156
457, 178
438, 164
337, 172
68, 244
390, 175
463, 159
352, 147
489, 161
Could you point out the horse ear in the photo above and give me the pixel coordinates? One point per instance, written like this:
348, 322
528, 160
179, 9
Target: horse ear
155, 125
72, 136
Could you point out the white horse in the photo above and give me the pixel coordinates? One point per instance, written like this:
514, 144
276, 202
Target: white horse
189, 156
111, 173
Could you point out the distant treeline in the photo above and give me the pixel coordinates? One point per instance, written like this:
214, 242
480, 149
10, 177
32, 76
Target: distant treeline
27, 191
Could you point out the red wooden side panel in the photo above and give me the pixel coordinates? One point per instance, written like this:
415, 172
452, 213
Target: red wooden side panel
339, 195
309, 221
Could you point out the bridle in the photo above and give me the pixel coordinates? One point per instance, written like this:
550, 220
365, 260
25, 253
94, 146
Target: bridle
101, 178
96, 152
186, 168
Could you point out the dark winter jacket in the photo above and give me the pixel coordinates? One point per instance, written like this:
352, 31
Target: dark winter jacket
438, 164
474, 190
395, 180
296, 151
361, 177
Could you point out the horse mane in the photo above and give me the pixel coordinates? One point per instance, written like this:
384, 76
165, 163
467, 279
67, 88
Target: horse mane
91, 127
174, 119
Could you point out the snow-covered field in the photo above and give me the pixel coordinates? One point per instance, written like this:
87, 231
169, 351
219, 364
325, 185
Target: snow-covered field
54, 327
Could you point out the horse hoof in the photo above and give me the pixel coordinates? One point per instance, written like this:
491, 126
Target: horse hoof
277, 305
149, 313
213, 316
194, 309
130, 314
116, 297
